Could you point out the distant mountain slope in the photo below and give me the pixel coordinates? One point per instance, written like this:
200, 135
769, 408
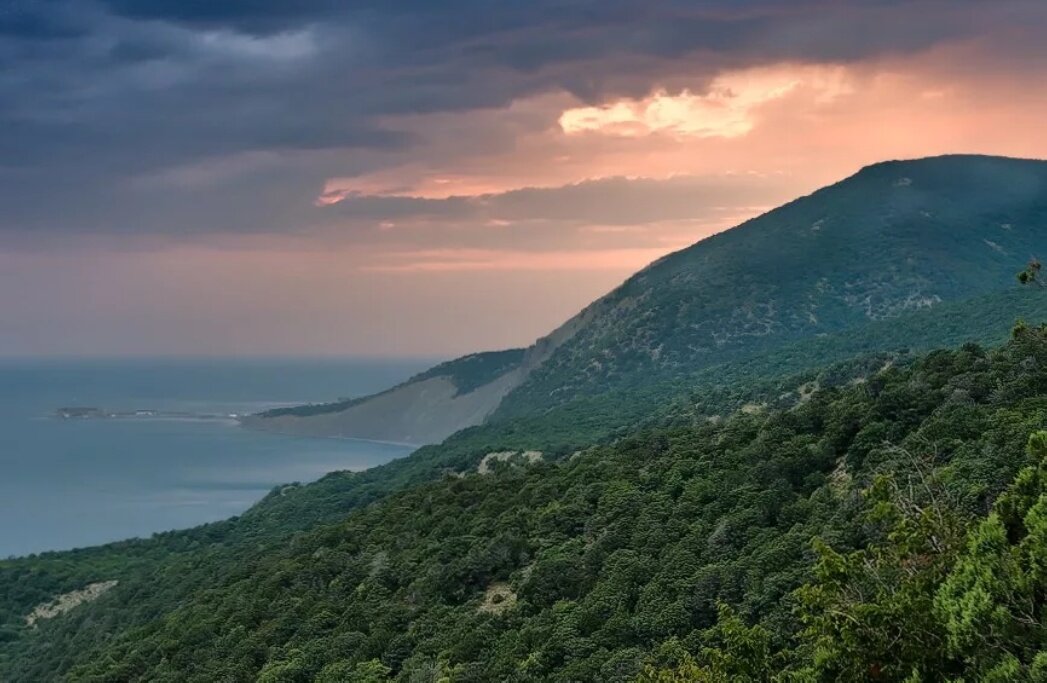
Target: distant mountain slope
895, 237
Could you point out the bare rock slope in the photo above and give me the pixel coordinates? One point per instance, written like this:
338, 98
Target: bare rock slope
428, 407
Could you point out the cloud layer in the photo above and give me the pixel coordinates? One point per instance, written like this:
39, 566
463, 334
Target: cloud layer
127, 110
416, 139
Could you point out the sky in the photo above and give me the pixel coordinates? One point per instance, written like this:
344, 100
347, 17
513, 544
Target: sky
421, 178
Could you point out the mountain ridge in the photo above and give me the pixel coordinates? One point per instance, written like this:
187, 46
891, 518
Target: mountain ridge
865, 248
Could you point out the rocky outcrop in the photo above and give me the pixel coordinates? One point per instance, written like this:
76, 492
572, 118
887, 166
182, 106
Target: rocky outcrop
67, 601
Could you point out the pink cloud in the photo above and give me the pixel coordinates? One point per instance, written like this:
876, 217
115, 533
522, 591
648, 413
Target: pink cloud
458, 260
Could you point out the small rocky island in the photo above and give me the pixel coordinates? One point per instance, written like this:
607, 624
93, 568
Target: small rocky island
95, 413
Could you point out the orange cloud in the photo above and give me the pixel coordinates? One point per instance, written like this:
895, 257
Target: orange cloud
726, 110
808, 124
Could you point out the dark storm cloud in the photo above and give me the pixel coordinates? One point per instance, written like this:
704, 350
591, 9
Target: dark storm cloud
260, 16
97, 96
37, 20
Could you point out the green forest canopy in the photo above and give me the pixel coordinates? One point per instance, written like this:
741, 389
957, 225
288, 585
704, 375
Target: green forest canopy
684, 552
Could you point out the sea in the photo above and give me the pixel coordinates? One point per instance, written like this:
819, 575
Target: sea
67, 483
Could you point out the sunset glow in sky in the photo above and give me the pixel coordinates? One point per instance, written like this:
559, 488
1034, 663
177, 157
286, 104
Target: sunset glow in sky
421, 178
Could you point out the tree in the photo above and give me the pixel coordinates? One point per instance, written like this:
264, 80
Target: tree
934, 601
868, 614
1031, 273
994, 603
735, 652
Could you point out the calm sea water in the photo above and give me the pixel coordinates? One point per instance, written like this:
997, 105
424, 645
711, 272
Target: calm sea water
71, 483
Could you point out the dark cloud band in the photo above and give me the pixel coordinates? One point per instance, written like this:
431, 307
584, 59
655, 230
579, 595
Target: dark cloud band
96, 94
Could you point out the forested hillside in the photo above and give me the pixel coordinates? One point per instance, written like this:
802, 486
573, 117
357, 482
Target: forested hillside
837, 526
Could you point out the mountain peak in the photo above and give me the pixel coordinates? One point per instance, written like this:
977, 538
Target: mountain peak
957, 170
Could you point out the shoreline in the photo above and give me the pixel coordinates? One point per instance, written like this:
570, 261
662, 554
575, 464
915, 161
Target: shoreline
245, 425
252, 422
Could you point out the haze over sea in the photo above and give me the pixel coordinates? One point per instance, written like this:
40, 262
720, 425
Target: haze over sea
71, 483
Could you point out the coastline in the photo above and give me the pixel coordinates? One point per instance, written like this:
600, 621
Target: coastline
253, 422
246, 423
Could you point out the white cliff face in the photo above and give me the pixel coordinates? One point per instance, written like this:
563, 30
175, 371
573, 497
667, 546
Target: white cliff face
423, 412
67, 601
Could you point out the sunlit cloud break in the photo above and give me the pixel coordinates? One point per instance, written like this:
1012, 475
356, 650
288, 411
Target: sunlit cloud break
727, 109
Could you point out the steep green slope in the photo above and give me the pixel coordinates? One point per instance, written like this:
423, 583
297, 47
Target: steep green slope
585, 569
895, 237
760, 379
